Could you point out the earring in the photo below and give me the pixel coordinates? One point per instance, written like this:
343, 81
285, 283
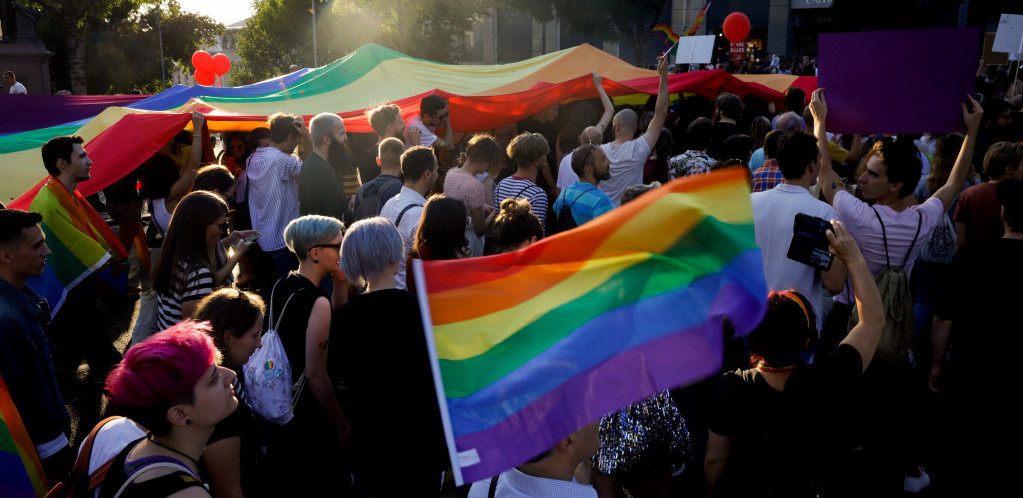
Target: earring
188, 421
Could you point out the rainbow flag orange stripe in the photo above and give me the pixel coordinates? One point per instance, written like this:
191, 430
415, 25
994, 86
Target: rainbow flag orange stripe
547, 339
698, 21
21, 473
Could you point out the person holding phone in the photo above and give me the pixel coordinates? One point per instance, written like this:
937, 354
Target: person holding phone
774, 213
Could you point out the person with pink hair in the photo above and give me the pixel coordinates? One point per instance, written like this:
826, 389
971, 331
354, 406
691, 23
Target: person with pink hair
173, 386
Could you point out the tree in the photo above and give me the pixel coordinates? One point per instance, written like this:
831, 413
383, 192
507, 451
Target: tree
279, 34
121, 40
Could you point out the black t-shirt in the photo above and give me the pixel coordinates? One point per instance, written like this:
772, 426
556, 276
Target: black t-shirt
784, 439
366, 162
721, 131
378, 349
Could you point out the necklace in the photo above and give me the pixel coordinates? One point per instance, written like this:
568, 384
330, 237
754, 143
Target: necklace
153, 440
763, 366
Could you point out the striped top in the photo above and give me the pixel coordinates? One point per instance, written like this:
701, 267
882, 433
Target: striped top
187, 284
522, 188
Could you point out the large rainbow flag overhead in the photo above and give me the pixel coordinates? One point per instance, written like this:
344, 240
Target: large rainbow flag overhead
21, 473
529, 346
481, 97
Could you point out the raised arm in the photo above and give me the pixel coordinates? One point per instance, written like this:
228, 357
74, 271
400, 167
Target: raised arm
306, 146
867, 333
609, 110
653, 132
829, 181
947, 193
184, 183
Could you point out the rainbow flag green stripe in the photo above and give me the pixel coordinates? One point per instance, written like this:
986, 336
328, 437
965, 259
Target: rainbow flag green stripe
21, 473
547, 339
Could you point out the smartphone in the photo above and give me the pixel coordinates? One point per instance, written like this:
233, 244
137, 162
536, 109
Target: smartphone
251, 237
810, 242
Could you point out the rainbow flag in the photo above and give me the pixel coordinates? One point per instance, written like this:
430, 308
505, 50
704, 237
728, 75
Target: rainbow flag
80, 242
21, 473
698, 21
666, 32
529, 346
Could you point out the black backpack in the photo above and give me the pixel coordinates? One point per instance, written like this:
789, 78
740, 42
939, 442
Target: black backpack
370, 198
564, 220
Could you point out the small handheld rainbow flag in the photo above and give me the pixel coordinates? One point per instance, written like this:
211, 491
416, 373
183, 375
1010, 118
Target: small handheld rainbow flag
698, 21
529, 346
21, 473
666, 32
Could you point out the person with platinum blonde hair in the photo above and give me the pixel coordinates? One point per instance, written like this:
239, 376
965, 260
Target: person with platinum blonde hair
300, 311
380, 353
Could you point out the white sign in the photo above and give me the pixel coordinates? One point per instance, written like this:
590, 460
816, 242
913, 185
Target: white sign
695, 49
1009, 37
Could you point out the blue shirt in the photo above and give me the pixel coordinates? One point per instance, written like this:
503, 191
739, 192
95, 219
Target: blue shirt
26, 365
585, 201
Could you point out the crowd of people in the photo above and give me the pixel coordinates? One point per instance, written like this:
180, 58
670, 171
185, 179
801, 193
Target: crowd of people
309, 233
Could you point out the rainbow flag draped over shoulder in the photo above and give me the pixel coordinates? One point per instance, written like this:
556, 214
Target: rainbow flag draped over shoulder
79, 240
529, 346
21, 473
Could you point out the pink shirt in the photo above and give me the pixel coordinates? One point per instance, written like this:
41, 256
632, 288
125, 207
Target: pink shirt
466, 188
899, 227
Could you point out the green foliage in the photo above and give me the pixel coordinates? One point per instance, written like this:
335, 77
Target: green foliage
122, 49
279, 34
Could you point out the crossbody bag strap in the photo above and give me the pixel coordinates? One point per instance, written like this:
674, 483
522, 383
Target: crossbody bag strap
155, 465
584, 192
919, 222
493, 486
884, 236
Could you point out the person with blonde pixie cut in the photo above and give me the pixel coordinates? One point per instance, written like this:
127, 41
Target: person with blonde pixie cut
172, 385
380, 353
529, 153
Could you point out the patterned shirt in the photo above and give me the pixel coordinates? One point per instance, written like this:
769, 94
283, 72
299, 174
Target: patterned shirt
185, 286
273, 194
688, 163
585, 201
516, 187
767, 176
514, 484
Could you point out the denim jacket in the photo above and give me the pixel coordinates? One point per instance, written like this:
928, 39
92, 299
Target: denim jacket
26, 365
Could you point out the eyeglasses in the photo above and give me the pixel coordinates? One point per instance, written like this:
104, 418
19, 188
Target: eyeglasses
221, 225
335, 246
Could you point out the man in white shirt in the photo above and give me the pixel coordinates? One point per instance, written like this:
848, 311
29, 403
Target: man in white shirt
15, 87
773, 213
433, 113
627, 155
419, 170
273, 177
566, 175
550, 474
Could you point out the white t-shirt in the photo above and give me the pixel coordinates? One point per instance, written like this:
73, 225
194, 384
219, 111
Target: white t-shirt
426, 136
774, 211
566, 175
899, 228
18, 88
408, 224
627, 161
110, 440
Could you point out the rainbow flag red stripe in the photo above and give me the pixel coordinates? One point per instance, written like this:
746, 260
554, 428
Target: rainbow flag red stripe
21, 473
531, 345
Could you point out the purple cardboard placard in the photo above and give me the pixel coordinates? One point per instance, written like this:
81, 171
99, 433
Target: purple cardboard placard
905, 81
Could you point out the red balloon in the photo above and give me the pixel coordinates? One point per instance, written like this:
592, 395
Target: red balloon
206, 78
221, 64
202, 61
736, 27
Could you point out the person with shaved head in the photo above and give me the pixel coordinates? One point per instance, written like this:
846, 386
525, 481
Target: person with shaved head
628, 155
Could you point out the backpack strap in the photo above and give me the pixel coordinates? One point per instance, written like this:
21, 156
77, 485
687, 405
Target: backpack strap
884, 236
493, 486
523, 190
919, 222
584, 192
79, 478
157, 465
402, 213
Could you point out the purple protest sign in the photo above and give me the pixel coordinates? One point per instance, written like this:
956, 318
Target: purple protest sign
906, 81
